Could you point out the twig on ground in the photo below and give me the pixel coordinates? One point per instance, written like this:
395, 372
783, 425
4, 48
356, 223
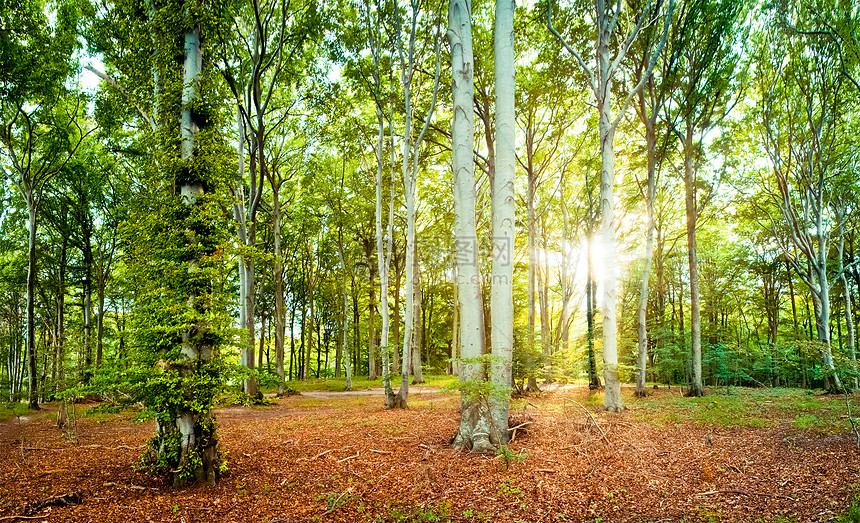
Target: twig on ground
744, 493
317, 456
520, 425
381, 451
514, 429
348, 457
590, 417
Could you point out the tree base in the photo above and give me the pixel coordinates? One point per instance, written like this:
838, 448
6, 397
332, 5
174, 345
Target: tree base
640, 393
396, 401
695, 392
478, 432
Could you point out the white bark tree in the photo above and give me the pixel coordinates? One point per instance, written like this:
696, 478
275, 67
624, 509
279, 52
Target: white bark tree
801, 150
600, 78
476, 430
504, 206
409, 168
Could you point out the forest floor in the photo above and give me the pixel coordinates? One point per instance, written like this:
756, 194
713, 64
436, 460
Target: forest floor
751, 455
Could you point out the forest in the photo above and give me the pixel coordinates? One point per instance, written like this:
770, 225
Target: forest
215, 214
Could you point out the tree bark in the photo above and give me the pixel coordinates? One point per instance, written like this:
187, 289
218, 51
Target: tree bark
477, 428
692, 212
32, 213
504, 218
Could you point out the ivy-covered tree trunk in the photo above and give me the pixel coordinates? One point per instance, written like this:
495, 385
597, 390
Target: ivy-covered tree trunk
186, 233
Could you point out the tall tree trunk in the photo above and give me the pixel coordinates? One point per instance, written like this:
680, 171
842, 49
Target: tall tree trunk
398, 272
612, 400
61, 314
384, 250
86, 309
543, 300
503, 201
696, 388
533, 261
356, 326
32, 213
650, 195
477, 429
417, 319
280, 310
100, 320
310, 329
846, 296
342, 349
590, 292
197, 454
372, 341
454, 365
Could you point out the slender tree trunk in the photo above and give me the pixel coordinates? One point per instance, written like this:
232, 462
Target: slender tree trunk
418, 329
310, 334
398, 272
343, 350
454, 365
612, 400
384, 248
356, 327
280, 311
543, 300
372, 341
504, 204
696, 388
650, 225
533, 262
86, 310
100, 322
61, 314
32, 213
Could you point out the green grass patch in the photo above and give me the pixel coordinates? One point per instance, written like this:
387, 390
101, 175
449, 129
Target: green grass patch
743, 407
805, 421
852, 515
13, 410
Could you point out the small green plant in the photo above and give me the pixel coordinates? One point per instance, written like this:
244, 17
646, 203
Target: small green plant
334, 501
510, 456
507, 488
805, 421
851, 516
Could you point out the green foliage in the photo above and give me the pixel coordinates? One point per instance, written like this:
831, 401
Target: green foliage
438, 513
851, 516
164, 455
510, 456
13, 409
335, 500
480, 389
